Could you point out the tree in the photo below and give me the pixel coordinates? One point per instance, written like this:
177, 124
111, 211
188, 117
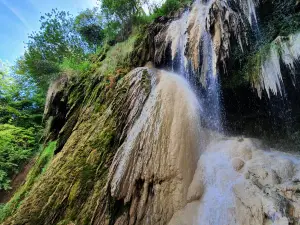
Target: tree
21, 108
21, 101
89, 25
120, 16
47, 48
16, 146
121, 10
4, 79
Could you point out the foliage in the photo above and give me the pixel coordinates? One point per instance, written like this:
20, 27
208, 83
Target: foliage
170, 6
21, 108
121, 10
121, 16
75, 64
276, 19
252, 70
117, 58
281, 19
16, 146
89, 25
166, 9
39, 168
21, 101
47, 48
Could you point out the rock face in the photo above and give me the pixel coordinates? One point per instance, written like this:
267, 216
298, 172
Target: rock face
200, 39
146, 159
131, 163
283, 49
154, 166
140, 149
73, 187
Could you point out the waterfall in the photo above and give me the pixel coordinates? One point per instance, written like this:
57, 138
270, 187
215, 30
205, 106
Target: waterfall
249, 10
154, 166
200, 39
191, 172
211, 94
230, 182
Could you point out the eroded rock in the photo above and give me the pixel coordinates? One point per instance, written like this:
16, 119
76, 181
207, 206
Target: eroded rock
237, 164
263, 192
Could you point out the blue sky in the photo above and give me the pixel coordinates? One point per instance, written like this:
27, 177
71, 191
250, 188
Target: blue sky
18, 18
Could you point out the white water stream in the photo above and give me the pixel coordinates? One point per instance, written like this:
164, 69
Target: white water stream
200, 56
224, 189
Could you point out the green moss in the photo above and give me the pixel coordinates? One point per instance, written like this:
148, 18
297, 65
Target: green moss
146, 81
39, 168
65, 222
252, 67
72, 189
252, 70
276, 19
117, 58
104, 139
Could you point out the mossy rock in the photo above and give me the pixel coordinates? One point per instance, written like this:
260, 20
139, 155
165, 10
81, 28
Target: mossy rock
73, 188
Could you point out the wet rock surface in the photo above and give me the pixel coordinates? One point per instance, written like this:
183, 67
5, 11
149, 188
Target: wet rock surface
263, 192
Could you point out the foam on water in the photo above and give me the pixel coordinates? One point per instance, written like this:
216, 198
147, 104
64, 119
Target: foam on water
217, 204
225, 193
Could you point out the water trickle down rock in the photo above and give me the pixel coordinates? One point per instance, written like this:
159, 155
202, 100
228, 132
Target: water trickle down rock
155, 173
283, 49
248, 7
153, 168
263, 190
207, 23
199, 40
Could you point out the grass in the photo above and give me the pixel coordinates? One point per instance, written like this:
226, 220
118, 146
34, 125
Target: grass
75, 64
167, 8
117, 57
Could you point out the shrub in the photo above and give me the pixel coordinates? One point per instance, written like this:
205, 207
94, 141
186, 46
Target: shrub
16, 146
45, 157
170, 6
75, 64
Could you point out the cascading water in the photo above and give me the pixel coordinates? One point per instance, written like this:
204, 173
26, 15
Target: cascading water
219, 179
147, 158
250, 11
171, 170
161, 152
237, 183
178, 35
226, 166
195, 52
211, 94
